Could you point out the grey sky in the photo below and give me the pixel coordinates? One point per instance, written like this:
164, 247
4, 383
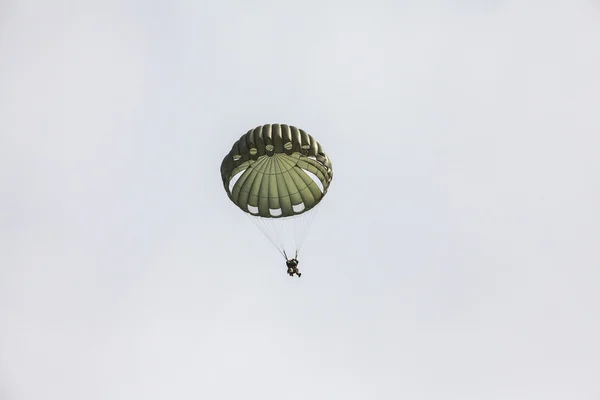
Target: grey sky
456, 255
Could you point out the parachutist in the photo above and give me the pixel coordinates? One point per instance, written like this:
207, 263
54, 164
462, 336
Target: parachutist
292, 267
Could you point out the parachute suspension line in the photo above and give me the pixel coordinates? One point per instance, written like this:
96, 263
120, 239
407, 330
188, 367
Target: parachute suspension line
279, 231
287, 234
301, 229
272, 236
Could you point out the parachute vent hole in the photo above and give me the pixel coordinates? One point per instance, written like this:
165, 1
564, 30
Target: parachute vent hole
298, 207
234, 179
269, 147
288, 146
316, 180
236, 157
253, 151
275, 212
252, 209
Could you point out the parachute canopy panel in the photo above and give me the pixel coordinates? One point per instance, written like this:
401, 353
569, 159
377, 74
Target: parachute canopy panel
276, 171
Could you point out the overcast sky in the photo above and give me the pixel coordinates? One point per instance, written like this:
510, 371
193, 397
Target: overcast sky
456, 255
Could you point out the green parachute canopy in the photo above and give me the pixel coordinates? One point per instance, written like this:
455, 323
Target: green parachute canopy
277, 174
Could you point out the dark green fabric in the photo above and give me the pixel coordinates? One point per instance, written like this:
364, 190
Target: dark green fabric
273, 157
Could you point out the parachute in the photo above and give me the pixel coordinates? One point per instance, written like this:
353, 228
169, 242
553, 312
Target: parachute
277, 175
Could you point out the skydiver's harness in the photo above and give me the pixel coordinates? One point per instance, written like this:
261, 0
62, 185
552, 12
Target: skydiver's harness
292, 265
